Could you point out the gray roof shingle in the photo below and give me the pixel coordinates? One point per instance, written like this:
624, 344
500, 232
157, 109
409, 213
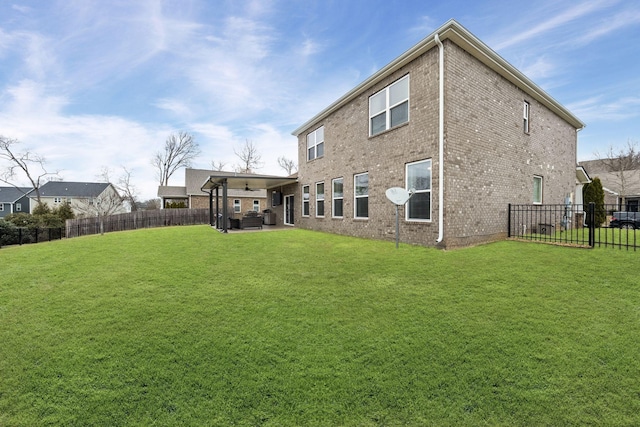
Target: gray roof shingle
72, 189
12, 194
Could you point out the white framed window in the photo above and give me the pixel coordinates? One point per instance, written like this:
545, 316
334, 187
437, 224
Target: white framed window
305, 200
320, 199
18, 207
237, 208
526, 109
537, 190
315, 144
337, 198
256, 205
2, 207
57, 200
389, 107
361, 195
418, 178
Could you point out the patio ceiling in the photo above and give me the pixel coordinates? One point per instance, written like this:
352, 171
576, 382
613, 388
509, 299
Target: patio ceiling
247, 181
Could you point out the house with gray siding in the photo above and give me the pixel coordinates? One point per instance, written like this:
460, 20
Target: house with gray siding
14, 200
449, 119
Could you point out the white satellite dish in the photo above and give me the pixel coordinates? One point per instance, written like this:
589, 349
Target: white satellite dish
398, 196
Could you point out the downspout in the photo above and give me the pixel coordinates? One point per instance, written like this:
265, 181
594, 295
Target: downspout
440, 141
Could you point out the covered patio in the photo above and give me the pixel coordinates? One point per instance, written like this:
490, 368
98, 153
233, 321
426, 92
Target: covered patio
217, 185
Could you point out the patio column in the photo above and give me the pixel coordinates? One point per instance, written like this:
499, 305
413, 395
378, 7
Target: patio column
225, 219
217, 208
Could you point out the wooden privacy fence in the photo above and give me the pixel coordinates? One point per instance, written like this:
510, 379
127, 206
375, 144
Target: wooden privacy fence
136, 220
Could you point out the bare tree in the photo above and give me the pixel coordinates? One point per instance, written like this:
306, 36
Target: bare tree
179, 151
151, 204
217, 166
123, 185
30, 164
250, 158
287, 164
105, 204
624, 164
127, 189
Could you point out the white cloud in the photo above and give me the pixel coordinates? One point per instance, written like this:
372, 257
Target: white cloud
598, 108
546, 25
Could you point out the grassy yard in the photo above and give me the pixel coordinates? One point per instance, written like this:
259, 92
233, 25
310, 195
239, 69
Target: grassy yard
185, 326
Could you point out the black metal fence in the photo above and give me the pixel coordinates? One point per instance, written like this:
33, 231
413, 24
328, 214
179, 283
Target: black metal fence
25, 235
578, 225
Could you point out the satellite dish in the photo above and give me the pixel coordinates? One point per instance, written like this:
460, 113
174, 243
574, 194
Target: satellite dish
398, 196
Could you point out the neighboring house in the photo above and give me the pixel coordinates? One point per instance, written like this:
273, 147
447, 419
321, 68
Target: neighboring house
85, 198
14, 200
450, 119
240, 200
621, 188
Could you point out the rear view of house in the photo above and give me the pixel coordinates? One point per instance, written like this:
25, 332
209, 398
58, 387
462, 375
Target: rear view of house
449, 119
85, 198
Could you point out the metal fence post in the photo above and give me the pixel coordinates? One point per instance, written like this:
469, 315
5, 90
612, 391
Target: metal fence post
509, 221
591, 215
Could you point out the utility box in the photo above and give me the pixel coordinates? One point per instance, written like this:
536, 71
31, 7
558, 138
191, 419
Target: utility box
545, 229
269, 218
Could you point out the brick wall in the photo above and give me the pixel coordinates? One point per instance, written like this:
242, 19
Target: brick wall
489, 160
246, 204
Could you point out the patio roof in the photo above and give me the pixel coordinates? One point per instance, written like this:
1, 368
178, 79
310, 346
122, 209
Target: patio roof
243, 181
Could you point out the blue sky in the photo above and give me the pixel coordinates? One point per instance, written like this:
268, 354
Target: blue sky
94, 83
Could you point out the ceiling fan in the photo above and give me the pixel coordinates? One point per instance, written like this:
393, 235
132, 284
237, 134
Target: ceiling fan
246, 187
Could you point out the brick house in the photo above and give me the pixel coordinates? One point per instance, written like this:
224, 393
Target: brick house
449, 118
240, 200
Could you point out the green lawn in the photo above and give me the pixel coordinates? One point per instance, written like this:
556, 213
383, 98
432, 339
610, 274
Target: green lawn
186, 326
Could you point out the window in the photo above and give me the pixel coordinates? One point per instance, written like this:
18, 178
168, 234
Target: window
389, 107
337, 196
525, 117
1, 207
315, 144
418, 178
57, 200
236, 205
18, 207
320, 199
537, 190
361, 195
256, 205
305, 200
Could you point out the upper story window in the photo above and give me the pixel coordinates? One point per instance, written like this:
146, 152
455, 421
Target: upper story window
389, 107
315, 144
1, 207
419, 179
537, 190
57, 200
320, 199
525, 116
18, 207
337, 197
305, 200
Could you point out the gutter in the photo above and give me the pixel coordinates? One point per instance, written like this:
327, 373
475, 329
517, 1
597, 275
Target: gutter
440, 140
